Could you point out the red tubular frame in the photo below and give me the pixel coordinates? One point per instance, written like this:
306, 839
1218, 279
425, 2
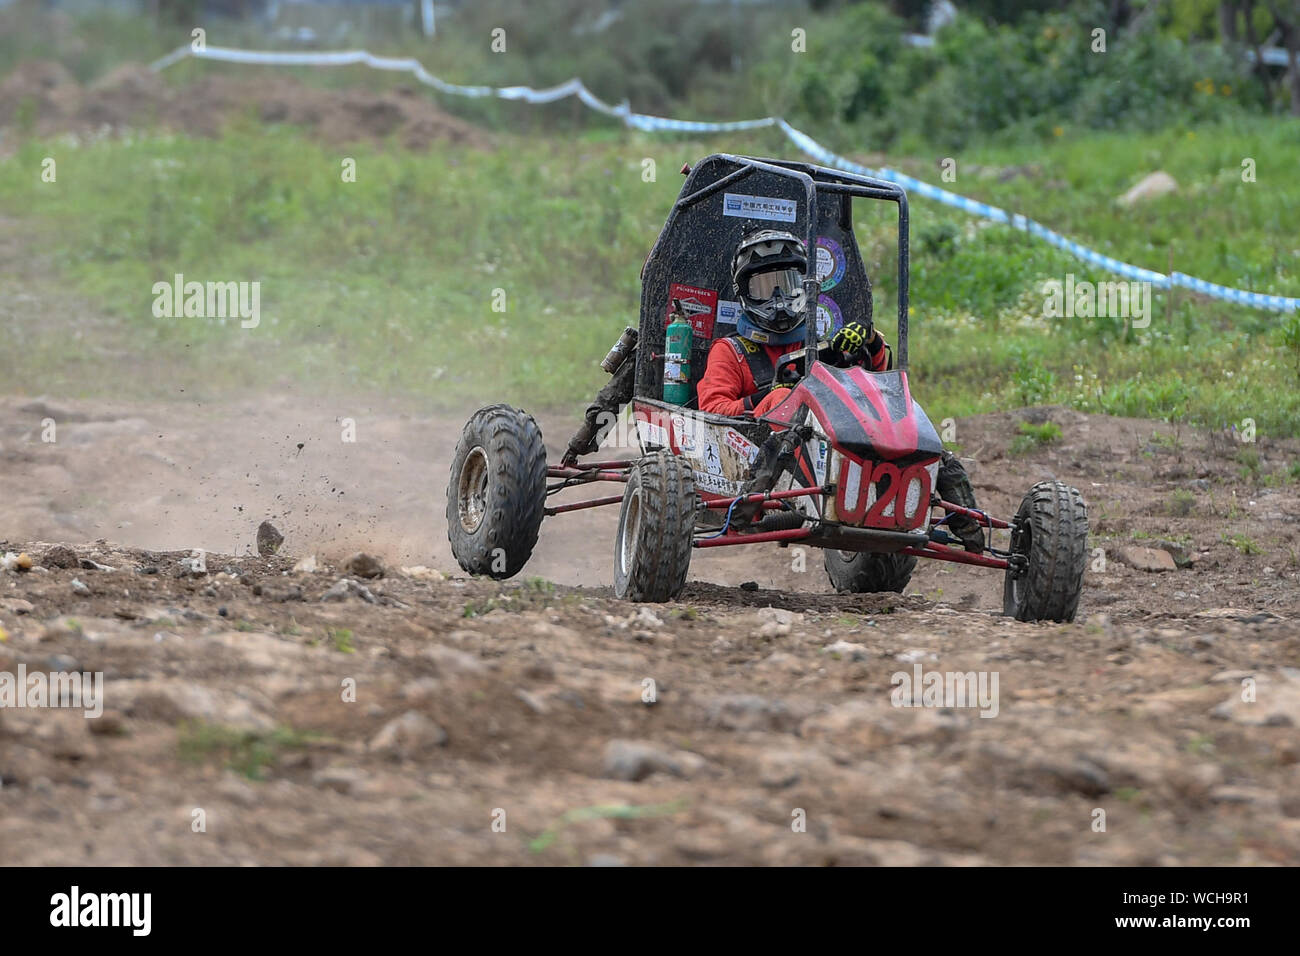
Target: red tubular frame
941, 552
790, 534
579, 505
765, 496
624, 463
593, 471
981, 517
563, 471
602, 471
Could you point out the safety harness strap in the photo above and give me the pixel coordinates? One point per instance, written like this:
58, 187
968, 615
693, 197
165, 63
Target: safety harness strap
760, 367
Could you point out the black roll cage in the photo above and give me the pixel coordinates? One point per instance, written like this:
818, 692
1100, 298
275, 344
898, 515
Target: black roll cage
816, 179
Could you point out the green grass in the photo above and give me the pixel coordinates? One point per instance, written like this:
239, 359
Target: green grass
1243, 544
386, 285
248, 752
383, 285
1202, 360
1248, 459
1181, 503
1035, 436
89, 45
341, 638
533, 594
603, 812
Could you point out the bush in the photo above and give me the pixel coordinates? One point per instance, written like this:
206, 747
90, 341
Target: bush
1035, 76
1034, 384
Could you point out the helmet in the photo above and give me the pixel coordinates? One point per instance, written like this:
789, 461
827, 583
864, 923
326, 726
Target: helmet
767, 273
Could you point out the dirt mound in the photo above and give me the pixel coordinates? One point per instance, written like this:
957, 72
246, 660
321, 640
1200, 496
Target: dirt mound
36, 89
44, 97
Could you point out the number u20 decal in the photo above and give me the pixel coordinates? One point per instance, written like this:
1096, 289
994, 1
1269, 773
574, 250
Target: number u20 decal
881, 495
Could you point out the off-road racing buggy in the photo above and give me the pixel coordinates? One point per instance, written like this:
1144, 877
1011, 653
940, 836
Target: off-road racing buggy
848, 462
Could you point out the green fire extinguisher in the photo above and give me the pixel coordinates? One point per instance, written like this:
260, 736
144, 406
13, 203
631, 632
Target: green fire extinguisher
677, 357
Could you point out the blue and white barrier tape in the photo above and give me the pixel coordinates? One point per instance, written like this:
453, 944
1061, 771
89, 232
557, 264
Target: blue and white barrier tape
801, 140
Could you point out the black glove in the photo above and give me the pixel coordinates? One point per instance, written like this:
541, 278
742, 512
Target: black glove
854, 338
752, 401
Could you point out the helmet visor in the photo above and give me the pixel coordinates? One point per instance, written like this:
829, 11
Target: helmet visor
764, 285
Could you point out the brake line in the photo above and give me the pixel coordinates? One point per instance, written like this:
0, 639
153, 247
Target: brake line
725, 525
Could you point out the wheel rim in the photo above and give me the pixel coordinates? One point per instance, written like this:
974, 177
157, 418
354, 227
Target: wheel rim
631, 530
471, 490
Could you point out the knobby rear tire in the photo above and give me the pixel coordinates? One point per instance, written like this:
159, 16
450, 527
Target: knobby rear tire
497, 492
867, 572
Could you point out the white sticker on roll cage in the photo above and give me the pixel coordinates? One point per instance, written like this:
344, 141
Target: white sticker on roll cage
728, 312
759, 207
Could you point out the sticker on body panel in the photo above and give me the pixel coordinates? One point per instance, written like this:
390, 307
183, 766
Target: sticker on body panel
728, 317
829, 317
831, 263
716, 483
712, 460
881, 494
700, 307
651, 434
819, 451
683, 434
741, 445
759, 207
711, 449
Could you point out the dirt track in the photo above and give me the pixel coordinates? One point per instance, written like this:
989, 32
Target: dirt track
529, 696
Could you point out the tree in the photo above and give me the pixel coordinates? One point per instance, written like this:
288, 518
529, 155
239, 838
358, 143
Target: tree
1286, 14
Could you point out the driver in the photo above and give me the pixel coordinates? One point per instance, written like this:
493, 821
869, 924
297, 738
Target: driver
744, 375
741, 376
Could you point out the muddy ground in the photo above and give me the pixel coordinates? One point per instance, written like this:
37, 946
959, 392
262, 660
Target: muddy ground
512, 723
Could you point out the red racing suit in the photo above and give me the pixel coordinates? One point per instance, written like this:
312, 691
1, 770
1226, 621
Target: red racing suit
729, 385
